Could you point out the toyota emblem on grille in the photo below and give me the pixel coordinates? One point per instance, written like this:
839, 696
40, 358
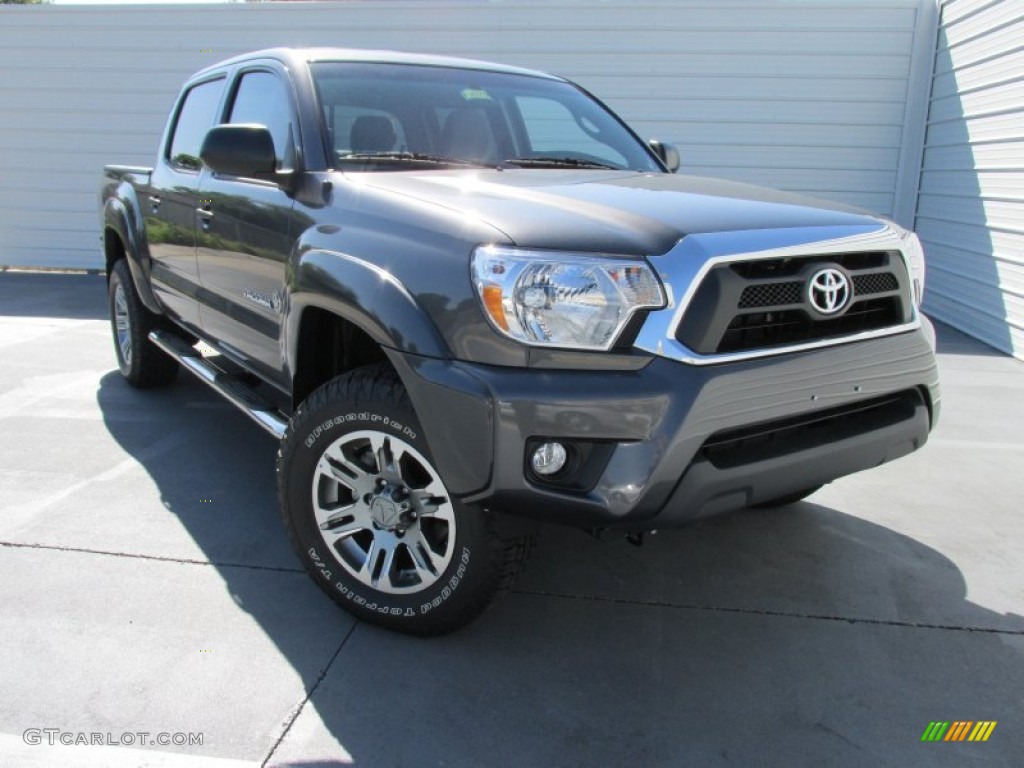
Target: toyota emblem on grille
828, 290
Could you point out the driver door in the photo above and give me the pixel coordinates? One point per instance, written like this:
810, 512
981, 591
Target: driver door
245, 233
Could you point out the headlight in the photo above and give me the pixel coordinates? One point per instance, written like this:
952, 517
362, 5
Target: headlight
915, 257
562, 299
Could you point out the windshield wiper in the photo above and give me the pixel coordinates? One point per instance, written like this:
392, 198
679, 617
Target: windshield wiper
409, 157
559, 162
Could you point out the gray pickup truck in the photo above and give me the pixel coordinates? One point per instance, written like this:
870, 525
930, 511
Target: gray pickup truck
467, 297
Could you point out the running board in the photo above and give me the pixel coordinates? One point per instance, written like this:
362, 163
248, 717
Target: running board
240, 394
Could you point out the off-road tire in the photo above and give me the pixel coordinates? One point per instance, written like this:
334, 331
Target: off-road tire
141, 362
450, 562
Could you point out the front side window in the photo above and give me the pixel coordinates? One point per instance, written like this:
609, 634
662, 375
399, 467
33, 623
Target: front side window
262, 98
389, 116
196, 116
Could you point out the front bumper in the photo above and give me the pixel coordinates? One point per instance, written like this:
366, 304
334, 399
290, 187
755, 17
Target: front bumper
680, 441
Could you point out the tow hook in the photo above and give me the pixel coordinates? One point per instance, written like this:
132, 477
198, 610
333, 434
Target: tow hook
636, 538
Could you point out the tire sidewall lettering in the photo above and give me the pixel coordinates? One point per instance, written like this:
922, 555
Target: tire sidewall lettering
449, 588
452, 584
367, 417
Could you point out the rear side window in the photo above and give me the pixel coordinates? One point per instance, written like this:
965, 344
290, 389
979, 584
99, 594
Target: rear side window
197, 115
262, 98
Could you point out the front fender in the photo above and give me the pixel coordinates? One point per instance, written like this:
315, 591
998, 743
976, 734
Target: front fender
364, 294
122, 215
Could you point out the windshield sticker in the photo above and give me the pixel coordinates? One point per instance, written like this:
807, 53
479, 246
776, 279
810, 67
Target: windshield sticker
475, 94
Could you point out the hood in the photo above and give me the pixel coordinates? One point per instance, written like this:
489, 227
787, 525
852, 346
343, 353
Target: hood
610, 212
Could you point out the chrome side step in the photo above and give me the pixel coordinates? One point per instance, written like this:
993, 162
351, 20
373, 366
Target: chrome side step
240, 395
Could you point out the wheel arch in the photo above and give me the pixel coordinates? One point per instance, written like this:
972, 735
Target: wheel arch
122, 239
353, 303
345, 313
327, 345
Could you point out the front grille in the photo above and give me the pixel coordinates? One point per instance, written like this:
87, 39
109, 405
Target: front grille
763, 269
771, 295
765, 304
878, 282
794, 326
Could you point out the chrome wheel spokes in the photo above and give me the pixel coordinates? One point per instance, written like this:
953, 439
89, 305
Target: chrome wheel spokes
383, 511
122, 324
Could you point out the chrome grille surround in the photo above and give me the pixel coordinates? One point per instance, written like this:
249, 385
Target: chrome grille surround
684, 267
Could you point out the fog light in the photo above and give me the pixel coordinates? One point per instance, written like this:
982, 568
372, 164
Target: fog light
548, 459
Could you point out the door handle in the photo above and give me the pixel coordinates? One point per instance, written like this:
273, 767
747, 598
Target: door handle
205, 215
154, 203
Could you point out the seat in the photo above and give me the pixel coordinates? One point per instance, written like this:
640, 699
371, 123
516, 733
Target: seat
467, 136
372, 133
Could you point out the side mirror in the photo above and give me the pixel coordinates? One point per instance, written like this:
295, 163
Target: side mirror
668, 154
240, 150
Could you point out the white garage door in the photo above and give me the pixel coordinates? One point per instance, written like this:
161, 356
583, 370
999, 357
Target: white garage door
812, 96
971, 207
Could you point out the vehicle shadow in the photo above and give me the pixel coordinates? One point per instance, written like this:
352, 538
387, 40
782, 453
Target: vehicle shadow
47, 295
796, 636
952, 341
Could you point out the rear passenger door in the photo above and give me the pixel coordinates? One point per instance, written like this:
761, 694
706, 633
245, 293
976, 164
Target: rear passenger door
245, 232
170, 204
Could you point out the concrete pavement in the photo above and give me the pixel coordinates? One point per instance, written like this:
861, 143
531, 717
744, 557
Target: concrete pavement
147, 585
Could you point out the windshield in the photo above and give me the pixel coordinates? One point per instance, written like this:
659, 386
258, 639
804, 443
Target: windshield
383, 116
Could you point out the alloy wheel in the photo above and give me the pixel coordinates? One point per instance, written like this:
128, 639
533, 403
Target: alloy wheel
383, 511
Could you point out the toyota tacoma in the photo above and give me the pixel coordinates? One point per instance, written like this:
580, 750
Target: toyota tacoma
467, 297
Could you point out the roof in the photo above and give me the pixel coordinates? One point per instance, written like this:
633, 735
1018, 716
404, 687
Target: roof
306, 55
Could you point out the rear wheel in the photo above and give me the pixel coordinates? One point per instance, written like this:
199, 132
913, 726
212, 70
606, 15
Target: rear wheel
372, 518
143, 364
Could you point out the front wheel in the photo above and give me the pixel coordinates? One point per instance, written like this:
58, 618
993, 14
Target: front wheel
372, 518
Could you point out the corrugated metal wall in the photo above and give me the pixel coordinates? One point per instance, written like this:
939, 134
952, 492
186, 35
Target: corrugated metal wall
807, 96
971, 206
